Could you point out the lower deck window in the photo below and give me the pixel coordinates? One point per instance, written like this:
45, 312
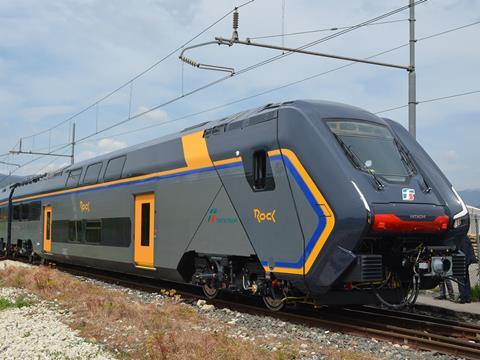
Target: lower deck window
106, 231
93, 231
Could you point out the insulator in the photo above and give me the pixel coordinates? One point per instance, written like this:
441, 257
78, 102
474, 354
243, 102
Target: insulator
189, 61
235, 20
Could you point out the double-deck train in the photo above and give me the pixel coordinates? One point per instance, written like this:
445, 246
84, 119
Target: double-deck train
309, 201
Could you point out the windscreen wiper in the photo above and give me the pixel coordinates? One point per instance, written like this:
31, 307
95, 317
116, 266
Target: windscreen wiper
358, 163
405, 158
409, 162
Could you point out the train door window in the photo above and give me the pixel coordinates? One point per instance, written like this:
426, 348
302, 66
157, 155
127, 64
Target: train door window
92, 173
93, 231
262, 177
47, 228
144, 230
73, 177
114, 168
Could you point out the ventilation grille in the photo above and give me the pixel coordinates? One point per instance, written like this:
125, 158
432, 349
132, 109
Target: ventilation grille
371, 267
458, 266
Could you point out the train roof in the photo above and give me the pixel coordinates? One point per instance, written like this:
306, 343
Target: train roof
320, 108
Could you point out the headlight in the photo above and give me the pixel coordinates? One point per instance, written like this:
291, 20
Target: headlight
462, 221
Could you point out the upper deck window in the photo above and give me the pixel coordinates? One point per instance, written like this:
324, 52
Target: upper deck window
74, 177
92, 173
372, 148
114, 168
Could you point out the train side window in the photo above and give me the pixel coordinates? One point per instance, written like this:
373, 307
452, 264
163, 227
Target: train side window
73, 177
24, 212
92, 173
259, 169
3, 214
114, 168
262, 177
35, 209
16, 212
93, 231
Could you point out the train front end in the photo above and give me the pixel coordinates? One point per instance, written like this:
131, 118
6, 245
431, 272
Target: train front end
415, 225
398, 220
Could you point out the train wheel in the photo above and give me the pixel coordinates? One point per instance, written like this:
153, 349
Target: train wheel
210, 293
273, 304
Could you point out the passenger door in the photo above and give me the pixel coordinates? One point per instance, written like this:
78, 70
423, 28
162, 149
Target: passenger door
47, 229
144, 230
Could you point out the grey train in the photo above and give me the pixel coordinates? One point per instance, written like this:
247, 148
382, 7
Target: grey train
301, 201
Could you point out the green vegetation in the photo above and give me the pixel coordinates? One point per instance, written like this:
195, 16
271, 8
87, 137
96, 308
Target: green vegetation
19, 303
475, 291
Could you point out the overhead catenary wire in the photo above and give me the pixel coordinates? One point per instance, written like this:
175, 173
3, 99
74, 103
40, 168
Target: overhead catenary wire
34, 160
431, 100
148, 69
334, 28
243, 99
286, 85
249, 68
292, 83
329, 37
244, 70
130, 81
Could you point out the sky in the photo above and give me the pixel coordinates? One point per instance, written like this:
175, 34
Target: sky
57, 57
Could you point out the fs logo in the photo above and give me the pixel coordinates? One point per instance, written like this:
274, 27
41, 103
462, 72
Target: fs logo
214, 219
212, 215
262, 216
408, 194
85, 206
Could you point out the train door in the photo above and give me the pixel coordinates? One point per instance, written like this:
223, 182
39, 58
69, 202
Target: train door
47, 229
144, 230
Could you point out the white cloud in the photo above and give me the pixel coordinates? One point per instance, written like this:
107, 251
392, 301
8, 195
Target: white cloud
58, 56
107, 145
451, 156
158, 115
85, 155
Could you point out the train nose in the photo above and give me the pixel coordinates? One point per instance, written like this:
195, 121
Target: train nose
405, 218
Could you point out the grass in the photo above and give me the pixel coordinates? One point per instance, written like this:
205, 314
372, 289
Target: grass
19, 303
475, 293
134, 330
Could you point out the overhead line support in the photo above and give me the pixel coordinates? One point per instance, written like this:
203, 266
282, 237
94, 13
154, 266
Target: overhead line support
230, 42
412, 86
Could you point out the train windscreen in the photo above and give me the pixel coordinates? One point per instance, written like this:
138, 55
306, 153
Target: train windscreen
372, 148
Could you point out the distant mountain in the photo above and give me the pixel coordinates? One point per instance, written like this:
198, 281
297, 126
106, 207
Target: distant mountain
8, 179
471, 197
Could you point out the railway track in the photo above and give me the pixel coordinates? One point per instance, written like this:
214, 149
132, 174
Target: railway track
418, 331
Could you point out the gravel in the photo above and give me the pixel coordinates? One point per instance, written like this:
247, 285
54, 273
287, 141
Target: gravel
37, 332
251, 327
41, 324
275, 332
